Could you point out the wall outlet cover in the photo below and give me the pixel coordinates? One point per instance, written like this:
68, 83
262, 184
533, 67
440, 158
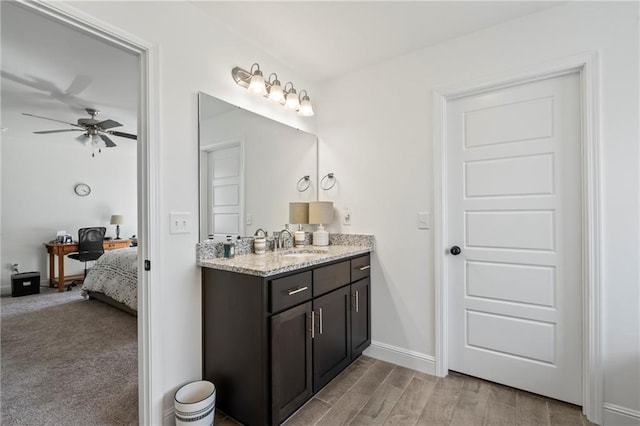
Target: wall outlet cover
423, 220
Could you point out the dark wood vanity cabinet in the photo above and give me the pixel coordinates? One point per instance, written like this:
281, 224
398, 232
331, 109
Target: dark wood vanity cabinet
271, 343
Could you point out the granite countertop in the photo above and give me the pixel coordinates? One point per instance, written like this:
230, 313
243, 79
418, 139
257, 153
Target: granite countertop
272, 263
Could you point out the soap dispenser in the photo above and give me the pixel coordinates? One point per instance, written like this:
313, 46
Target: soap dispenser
229, 248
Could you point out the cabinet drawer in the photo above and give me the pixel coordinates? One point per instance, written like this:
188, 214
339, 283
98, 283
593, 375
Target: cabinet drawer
289, 291
330, 277
360, 267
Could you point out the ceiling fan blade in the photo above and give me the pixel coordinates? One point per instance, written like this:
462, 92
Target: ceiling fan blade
58, 131
83, 139
108, 124
51, 119
123, 135
79, 84
108, 142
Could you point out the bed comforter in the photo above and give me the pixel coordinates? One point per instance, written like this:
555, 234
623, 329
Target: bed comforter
115, 274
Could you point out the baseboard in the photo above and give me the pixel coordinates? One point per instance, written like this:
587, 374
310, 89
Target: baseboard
615, 415
403, 357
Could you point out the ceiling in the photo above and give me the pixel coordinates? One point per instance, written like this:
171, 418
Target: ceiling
322, 40
51, 70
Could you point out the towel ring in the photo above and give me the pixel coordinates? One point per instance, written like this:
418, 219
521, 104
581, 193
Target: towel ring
301, 183
328, 176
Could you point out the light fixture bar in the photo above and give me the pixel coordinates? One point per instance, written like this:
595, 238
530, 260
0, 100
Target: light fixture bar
243, 78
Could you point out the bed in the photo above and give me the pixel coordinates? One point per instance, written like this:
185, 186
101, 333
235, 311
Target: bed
113, 279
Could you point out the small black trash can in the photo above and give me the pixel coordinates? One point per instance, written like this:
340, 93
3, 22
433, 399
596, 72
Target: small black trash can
25, 283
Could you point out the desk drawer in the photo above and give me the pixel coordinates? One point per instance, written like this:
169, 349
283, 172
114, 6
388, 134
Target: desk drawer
360, 267
330, 277
109, 245
289, 291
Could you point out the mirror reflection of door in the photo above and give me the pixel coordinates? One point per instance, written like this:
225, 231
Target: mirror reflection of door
224, 189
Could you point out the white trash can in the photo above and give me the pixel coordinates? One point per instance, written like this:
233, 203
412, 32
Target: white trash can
195, 404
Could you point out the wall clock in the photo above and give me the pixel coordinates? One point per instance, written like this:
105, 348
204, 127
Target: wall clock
82, 189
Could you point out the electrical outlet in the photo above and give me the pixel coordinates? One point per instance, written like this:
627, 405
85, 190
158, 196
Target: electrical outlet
249, 219
346, 217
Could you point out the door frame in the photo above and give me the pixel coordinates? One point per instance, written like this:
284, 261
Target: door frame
586, 65
204, 185
150, 391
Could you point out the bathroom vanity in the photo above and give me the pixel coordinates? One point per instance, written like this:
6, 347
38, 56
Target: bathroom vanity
278, 327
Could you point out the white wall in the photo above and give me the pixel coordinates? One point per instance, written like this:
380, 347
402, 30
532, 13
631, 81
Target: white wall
379, 144
39, 173
195, 55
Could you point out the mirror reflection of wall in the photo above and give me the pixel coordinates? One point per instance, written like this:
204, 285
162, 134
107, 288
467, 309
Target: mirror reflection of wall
249, 170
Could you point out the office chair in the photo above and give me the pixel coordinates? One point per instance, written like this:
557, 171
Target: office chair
89, 248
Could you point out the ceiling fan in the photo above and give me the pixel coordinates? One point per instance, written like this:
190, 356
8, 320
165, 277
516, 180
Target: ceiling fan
95, 131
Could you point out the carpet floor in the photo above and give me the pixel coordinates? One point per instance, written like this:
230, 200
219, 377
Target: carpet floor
67, 361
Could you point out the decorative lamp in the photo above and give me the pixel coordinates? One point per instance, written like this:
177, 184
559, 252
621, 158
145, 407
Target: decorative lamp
117, 220
299, 213
320, 212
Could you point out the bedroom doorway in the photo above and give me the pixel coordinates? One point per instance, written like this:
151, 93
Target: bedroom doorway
146, 172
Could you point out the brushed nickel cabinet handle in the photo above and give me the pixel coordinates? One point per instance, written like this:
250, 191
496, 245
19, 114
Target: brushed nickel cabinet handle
320, 320
357, 301
297, 290
313, 325
364, 268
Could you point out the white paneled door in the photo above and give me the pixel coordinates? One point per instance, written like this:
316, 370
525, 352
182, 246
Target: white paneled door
514, 213
225, 177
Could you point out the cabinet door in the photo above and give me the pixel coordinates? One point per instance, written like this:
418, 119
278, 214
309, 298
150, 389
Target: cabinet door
332, 343
290, 361
360, 316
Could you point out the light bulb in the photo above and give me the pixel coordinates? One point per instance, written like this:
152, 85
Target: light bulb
306, 109
256, 85
292, 101
275, 92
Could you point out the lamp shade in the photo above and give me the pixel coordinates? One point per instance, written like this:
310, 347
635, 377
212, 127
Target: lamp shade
298, 212
117, 219
320, 212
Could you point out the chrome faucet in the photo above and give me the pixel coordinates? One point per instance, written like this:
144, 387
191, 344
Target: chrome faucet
264, 233
281, 239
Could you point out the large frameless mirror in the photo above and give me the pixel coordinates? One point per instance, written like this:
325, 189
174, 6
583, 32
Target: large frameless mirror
251, 168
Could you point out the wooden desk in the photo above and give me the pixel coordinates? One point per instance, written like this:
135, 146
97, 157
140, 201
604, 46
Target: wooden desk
61, 250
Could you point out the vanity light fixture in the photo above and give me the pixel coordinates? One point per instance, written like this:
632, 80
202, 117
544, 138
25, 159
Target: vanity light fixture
253, 80
257, 84
292, 101
275, 89
306, 110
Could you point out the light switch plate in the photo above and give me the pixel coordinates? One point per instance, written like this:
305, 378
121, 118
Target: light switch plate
346, 217
423, 220
180, 223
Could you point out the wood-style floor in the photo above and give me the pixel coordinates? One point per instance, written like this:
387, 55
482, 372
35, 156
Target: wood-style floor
373, 392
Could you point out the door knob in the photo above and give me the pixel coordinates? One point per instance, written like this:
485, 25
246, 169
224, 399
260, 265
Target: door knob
455, 250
